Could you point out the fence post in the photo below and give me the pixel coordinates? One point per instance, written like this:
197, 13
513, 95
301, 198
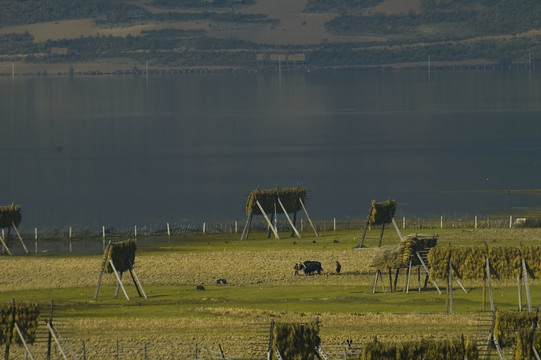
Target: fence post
168, 230
441, 222
334, 224
135, 230
475, 221
36, 240
204, 228
403, 222
236, 226
510, 221
103, 236
70, 239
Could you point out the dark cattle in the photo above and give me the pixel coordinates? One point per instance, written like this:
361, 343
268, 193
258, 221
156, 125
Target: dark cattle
310, 266
200, 287
221, 281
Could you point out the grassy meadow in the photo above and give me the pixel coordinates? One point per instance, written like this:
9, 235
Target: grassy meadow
261, 286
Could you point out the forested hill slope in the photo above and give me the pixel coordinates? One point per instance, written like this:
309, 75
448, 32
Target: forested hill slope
262, 33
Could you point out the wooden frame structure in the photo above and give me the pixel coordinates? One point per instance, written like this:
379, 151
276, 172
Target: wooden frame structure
282, 201
118, 258
10, 217
381, 213
410, 253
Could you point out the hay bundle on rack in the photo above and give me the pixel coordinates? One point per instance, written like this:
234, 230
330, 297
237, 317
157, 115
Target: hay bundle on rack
468, 261
399, 256
123, 254
269, 198
9, 215
505, 261
25, 314
296, 341
422, 349
382, 212
525, 340
507, 323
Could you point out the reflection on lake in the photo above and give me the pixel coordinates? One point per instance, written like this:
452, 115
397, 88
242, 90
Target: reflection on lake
120, 151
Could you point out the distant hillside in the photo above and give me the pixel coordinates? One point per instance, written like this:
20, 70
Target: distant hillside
263, 33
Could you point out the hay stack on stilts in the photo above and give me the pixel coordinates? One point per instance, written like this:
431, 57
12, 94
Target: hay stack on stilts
276, 201
10, 218
410, 253
381, 213
118, 258
18, 324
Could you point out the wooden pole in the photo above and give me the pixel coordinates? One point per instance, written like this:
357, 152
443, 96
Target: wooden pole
450, 286
168, 230
288, 219
5, 246
35, 240
104, 262
119, 279
267, 219
134, 275
396, 228
381, 234
52, 332
492, 308
364, 233
519, 294
525, 276
426, 269
246, 226
308, 217
20, 238
23, 341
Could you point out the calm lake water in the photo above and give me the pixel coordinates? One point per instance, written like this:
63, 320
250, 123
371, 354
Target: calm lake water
129, 150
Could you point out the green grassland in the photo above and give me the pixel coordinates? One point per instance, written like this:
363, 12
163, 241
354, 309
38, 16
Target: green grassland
260, 287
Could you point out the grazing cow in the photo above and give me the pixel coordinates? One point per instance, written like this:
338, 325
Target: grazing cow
200, 287
221, 281
310, 266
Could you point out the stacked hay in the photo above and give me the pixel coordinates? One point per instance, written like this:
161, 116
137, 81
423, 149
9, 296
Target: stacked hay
421, 349
399, 256
9, 215
508, 322
525, 339
122, 253
505, 261
296, 341
268, 198
382, 212
25, 314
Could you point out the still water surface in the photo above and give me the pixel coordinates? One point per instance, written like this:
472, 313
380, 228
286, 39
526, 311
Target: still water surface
123, 151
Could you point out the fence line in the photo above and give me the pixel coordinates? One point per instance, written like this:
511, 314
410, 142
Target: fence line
88, 240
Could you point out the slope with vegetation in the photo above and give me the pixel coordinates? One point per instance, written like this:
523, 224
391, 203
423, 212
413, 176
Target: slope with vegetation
231, 33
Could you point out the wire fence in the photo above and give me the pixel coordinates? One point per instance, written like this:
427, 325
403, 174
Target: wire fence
72, 240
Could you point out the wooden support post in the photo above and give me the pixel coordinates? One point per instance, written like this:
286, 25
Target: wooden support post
136, 279
419, 277
294, 224
492, 307
247, 226
118, 286
35, 240
103, 264
390, 280
407, 282
20, 238
267, 219
375, 284
308, 217
525, 276
381, 234
5, 246
28, 352
396, 228
288, 219
426, 269
364, 233
450, 286
119, 279
519, 294
52, 332
536, 354
396, 278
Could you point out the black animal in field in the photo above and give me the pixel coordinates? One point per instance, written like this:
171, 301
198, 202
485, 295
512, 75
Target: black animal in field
311, 266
